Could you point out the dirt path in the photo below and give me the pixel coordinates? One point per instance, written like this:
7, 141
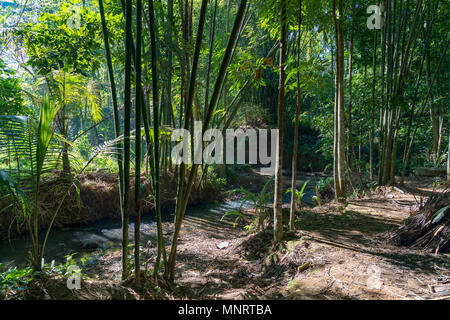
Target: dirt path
345, 252
336, 254
355, 262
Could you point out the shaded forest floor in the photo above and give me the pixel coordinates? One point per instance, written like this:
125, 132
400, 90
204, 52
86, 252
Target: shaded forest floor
336, 253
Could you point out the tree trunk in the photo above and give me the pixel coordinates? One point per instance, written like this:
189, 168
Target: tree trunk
210, 55
65, 158
278, 202
156, 152
114, 101
448, 160
383, 97
137, 176
184, 189
297, 116
126, 146
433, 113
422, 109
350, 149
372, 118
339, 108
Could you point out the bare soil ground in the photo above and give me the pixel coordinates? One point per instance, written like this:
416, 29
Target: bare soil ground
337, 253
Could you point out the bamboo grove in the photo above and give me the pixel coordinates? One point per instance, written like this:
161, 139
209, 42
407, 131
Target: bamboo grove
368, 100
400, 36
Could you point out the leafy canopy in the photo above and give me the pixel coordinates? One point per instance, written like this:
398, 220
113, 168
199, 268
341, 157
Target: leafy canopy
68, 39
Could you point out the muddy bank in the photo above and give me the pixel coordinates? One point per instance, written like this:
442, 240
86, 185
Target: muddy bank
99, 197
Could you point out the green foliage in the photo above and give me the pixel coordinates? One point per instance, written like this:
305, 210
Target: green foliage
11, 101
83, 147
35, 143
251, 115
62, 269
258, 202
67, 39
15, 279
25, 140
300, 193
83, 153
214, 180
74, 92
321, 185
324, 182
429, 159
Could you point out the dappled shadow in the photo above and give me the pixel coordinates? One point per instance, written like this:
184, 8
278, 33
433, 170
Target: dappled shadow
350, 225
420, 190
346, 242
382, 204
405, 258
226, 278
222, 278
212, 225
357, 232
213, 277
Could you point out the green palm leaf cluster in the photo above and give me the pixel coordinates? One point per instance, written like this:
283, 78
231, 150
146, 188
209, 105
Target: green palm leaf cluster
29, 149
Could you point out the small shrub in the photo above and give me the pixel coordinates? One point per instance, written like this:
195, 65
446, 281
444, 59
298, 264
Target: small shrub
259, 202
15, 279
